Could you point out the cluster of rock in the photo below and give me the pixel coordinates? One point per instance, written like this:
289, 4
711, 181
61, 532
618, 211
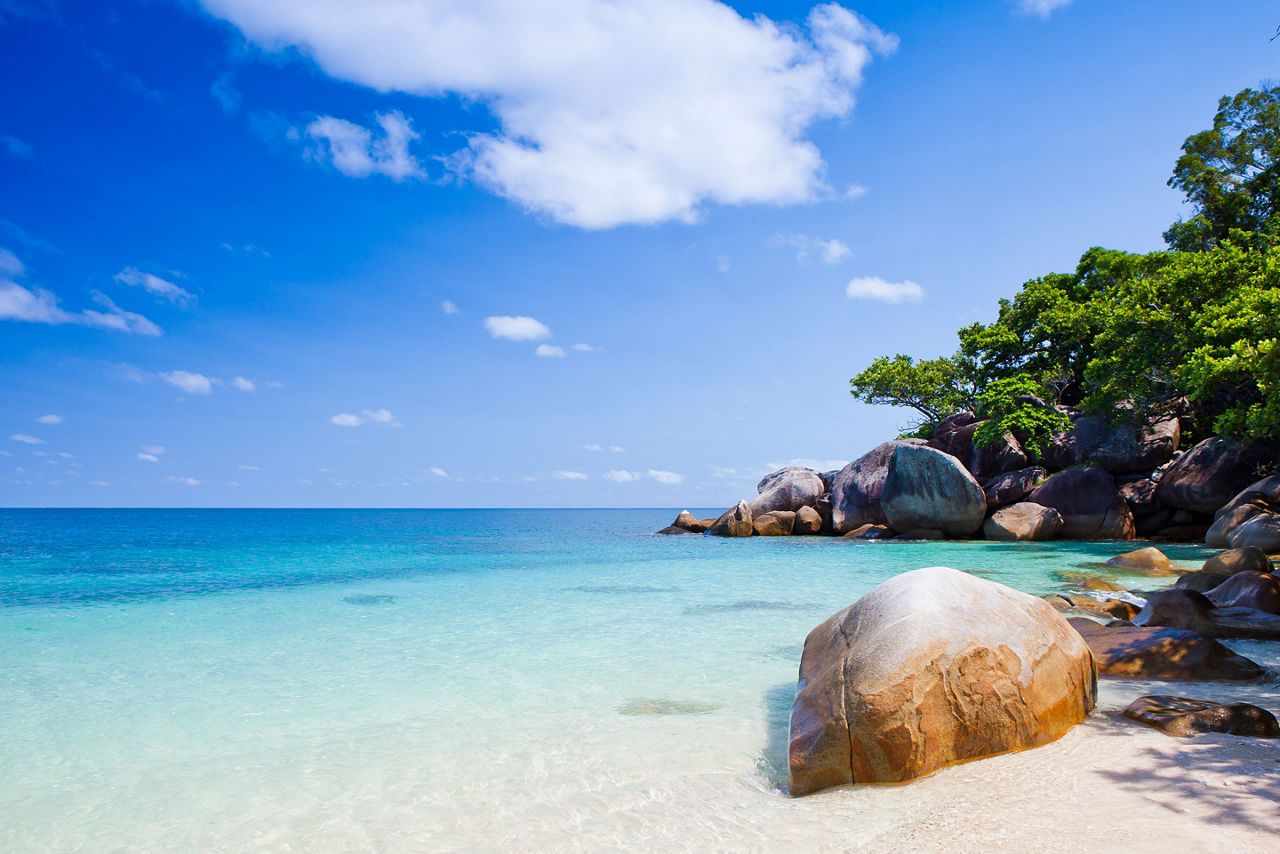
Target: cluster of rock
1098, 480
935, 667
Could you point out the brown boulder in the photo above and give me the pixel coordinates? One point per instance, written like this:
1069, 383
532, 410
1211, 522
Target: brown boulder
1091, 508
1260, 590
734, 522
1260, 532
1148, 561
787, 489
1186, 609
1261, 496
930, 668
1113, 609
808, 521
1211, 474
954, 435
1161, 653
1023, 521
778, 523
1178, 716
1239, 560
870, 532
1013, 486
1199, 581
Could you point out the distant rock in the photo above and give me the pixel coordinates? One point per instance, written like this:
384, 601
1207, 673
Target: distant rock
778, 523
734, 522
930, 668
1162, 653
1023, 521
1211, 474
926, 488
1148, 561
855, 493
1114, 444
870, 532
1178, 716
808, 521
787, 489
1011, 487
1090, 506
674, 529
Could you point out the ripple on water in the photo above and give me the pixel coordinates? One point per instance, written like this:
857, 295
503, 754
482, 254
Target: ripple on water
647, 707
751, 605
370, 599
620, 589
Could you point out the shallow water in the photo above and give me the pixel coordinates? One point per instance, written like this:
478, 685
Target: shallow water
403, 680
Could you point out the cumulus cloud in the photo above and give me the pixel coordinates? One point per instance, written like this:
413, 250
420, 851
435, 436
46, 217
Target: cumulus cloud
185, 481
591, 447
607, 113
568, 475
191, 383
876, 288
623, 476
246, 467
620, 476
26, 440
549, 351
616, 449
1041, 8
36, 305
150, 458
517, 328
353, 150
10, 264
374, 416
242, 384
438, 472
667, 477
448, 307
155, 285
49, 419
830, 251
584, 348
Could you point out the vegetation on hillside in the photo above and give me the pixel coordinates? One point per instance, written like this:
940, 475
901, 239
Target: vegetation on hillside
1193, 327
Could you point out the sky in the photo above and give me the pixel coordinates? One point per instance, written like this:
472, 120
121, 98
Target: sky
574, 253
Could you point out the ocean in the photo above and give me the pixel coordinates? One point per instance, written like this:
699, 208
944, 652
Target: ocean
410, 680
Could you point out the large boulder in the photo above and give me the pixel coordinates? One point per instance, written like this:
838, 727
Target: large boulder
1259, 590
734, 522
1023, 521
955, 435
1139, 493
808, 521
1180, 608
1260, 497
1148, 561
1211, 474
787, 489
1013, 486
926, 488
1178, 716
1260, 532
1090, 506
778, 523
930, 668
855, 493
1239, 560
1160, 653
1115, 444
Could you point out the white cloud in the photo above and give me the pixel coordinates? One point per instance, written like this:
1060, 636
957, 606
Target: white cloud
448, 307
517, 328
66, 456
354, 152
876, 288
346, 419
549, 351
155, 285
618, 476
667, 477
49, 419
376, 416
37, 305
616, 449
154, 449
246, 467
150, 458
26, 440
185, 481
191, 383
10, 264
722, 472
380, 416
15, 146
243, 384
585, 348
568, 475
831, 251
607, 113
438, 472
855, 191
5, 454
591, 447
1041, 8
99, 483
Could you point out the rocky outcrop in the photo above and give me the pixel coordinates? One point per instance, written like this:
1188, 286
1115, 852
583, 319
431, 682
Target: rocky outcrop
674, 529
787, 489
1258, 590
808, 521
1260, 498
1210, 474
1260, 532
1186, 609
926, 488
855, 493
734, 522
1091, 508
1023, 521
1160, 653
1114, 444
955, 435
778, 523
1178, 716
1011, 487
930, 668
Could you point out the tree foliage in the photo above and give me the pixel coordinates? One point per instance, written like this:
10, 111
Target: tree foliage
1196, 325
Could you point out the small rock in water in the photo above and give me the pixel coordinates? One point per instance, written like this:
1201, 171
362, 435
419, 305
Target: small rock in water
749, 605
370, 599
645, 707
1178, 716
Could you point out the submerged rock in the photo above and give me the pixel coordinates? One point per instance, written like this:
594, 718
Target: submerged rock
644, 707
1162, 653
930, 668
926, 488
1178, 716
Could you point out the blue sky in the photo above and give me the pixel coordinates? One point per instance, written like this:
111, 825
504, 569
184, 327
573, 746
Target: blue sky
485, 254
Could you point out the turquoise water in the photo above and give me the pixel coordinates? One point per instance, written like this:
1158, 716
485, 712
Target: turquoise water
404, 680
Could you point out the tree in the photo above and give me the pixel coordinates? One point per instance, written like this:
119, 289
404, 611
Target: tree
1012, 405
935, 388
